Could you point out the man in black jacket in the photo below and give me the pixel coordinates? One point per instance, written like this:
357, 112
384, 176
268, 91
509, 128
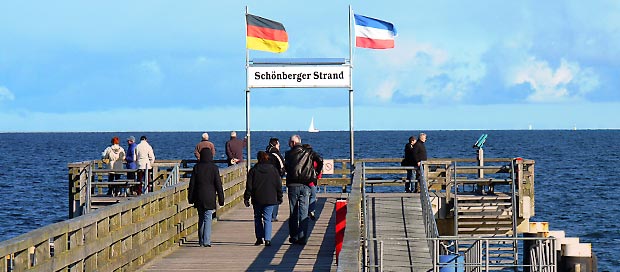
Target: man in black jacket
300, 171
419, 155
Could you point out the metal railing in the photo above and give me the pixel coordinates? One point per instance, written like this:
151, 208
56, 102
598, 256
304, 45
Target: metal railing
444, 250
430, 225
476, 258
173, 177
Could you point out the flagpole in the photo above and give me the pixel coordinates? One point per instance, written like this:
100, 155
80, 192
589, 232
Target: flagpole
351, 134
247, 99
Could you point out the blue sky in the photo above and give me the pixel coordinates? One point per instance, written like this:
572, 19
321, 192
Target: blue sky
180, 66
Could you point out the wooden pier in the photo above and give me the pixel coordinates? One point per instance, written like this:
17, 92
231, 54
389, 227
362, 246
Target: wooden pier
233, 246
384, 231
397, 238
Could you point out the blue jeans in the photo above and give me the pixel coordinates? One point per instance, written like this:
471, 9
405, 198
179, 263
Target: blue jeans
274, 214
408, 181
262, 221
205, 217
312, 205
298, 198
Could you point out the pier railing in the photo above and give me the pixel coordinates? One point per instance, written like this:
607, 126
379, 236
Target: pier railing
443, 176
119, 237
352, 256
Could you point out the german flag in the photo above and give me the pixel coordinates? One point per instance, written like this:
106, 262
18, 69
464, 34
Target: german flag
265, 35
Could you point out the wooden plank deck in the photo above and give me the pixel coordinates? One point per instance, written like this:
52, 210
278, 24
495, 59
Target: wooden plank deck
397, 215
233, 245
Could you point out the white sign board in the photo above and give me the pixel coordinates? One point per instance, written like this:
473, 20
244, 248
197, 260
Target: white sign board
328, 167
299, 77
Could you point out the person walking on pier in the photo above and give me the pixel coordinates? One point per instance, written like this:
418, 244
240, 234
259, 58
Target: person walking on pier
313, 187
130, 158
205, 185
145, 158
276, 159
234, 149
204, 143
300, 171
264, 188
114, 155
409, 161
419, 155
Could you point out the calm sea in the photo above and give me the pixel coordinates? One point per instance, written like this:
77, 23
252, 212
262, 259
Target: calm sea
577, 182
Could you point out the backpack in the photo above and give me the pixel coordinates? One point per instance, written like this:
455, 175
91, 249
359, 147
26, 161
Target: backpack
307, 167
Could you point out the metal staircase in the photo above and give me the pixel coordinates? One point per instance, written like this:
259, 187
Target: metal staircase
486, 215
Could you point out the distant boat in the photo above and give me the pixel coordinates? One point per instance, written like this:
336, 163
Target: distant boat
530, 127
312, 128
574, 127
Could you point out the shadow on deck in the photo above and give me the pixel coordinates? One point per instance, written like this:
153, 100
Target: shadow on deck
233, 245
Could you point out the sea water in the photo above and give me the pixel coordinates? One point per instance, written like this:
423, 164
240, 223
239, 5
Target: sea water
576, 172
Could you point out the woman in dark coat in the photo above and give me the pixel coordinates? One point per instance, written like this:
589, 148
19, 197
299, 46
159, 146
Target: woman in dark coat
409, 161
204, 186
264, 188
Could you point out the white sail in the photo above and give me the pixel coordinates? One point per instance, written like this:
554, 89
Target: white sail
312, 128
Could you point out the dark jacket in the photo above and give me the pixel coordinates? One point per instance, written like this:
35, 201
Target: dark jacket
409, 156
276, 159
298, 163
130, 156
234, 149
205, 183
419, 152
264, 185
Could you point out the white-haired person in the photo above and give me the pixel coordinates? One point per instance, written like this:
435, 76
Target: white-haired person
204, 143
234, 149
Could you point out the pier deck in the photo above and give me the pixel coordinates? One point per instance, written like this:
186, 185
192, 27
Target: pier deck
233, 245
396, 219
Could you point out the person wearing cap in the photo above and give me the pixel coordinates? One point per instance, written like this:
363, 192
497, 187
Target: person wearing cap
204, 143
145, 157
234, 149
130, 157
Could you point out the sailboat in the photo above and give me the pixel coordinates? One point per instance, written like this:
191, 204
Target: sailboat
312, 128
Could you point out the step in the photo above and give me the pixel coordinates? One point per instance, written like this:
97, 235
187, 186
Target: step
469, 230
485, 211
485, 216
483, 208
484, 204
497, 198
491, 223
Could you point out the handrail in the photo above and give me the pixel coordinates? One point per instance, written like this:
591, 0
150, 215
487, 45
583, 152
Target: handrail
477, 257
430, 225
515, 209
173, 177
123, 236
351, 255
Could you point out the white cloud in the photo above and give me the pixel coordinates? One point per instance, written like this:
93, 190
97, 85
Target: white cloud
150, 73
5, 94
549, 85
423, 71
385, 91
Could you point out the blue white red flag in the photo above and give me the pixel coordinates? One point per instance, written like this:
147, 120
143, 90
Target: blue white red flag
373, 33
